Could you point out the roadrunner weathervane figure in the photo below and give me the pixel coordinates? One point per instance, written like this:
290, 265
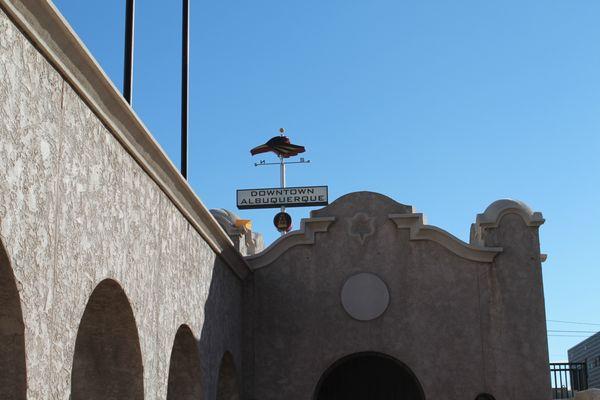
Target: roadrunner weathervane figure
279, 145
283, 148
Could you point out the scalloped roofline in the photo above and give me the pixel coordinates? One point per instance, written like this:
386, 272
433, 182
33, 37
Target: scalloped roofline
419, 230
309, 227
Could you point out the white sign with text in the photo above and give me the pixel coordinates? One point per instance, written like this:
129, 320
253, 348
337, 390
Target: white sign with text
303, 196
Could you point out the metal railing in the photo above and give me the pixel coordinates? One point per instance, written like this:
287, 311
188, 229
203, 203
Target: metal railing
567, 379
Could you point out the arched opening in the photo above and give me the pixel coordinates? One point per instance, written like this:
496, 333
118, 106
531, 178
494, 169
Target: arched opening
372, 376
184, 367
227, 387
485, 396
108, 362
13, 380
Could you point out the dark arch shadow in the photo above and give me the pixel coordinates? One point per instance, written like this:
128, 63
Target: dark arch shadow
107, 363
228, 386
485, 396
13, 376
368, 375
184, 367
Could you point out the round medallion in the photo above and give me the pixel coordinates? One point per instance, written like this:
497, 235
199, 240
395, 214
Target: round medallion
283, 222
365, 296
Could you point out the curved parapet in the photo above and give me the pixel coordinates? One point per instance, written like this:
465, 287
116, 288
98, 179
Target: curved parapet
362, 216
309, 227
420, 231
494, 213
364, 201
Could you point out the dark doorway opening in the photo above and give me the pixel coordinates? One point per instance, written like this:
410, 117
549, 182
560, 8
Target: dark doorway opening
13, 381
369, 376
107, 363
227, 387
184, 370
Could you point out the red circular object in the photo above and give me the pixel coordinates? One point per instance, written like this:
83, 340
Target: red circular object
283, 222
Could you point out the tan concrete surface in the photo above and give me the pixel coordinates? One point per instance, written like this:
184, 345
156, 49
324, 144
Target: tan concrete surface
590, 394
463, 326
75, 209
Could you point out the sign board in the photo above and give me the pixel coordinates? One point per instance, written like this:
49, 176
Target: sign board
303, 196
282, 222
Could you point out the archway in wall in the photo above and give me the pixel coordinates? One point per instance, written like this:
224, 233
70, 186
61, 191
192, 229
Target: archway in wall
107, 363
368, 376
227, 387
184, 367
13, 380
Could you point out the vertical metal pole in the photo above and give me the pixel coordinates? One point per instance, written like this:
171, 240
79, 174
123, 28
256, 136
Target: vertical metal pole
185, 71
282, 180
282, 176
128, 52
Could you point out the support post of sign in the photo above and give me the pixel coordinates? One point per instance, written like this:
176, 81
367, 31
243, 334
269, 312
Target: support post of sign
282, 179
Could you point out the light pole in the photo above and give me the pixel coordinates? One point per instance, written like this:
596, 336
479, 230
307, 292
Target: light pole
128, 50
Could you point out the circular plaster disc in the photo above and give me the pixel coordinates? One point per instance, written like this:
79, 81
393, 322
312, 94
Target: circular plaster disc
365, 296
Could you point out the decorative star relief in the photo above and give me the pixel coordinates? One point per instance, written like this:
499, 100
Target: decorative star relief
362, 226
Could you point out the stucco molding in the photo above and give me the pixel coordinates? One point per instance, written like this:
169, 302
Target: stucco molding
50, 33
494, 213
361, 226
309, 227
420, 231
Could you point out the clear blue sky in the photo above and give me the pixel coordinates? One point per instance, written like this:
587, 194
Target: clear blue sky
443, 105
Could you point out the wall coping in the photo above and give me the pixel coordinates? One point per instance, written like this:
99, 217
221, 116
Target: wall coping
309, 227
494, 213
420, 231
51, 34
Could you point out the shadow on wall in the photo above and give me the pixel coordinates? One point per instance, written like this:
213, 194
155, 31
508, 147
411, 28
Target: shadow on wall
227, 387
220, 340
204, 367
13, 380
185, 375
107, 363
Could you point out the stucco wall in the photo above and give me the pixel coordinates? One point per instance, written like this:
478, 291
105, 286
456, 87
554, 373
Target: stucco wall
461, 325
75, 209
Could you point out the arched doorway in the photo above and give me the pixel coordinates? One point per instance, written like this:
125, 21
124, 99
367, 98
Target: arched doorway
368, 376
184, 367
13, 380
227, 387
107, 363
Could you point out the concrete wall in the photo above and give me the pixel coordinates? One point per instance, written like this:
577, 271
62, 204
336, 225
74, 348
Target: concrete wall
76, 209
465, 318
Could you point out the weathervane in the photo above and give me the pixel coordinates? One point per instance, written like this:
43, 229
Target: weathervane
283, 148
282, 196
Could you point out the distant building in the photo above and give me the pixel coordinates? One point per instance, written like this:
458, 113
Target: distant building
588, 352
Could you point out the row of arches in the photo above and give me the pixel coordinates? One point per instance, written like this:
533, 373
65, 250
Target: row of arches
107, 361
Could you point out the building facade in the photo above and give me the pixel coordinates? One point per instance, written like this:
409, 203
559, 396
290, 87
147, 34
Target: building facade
365, 276
117, 283
588, 352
